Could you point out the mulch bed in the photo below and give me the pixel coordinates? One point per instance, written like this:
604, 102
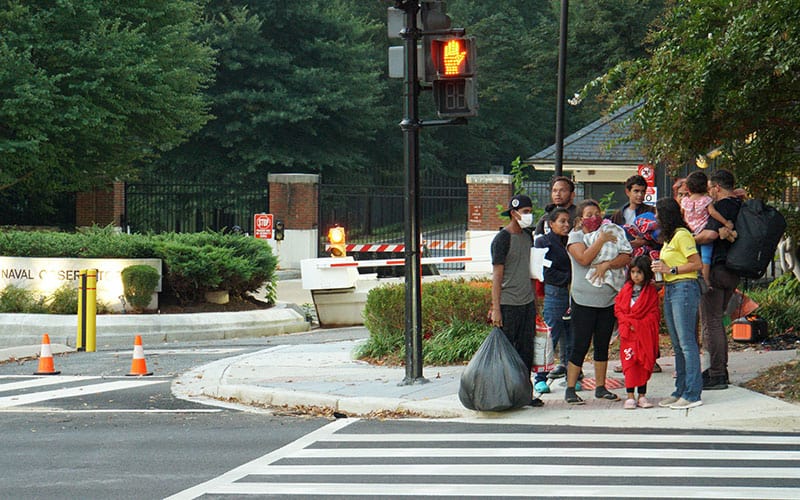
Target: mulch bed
235, 304
781, 342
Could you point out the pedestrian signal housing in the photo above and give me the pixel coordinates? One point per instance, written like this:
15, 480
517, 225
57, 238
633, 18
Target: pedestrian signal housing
455, 88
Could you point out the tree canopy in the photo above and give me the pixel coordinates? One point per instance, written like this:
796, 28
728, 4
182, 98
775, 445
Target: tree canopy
230, 90
721, 76
87, 88
298, 89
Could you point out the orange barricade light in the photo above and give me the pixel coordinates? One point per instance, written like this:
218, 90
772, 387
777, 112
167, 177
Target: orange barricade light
337, 241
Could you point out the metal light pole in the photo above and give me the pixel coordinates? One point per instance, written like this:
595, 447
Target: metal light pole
411, 126
560, 97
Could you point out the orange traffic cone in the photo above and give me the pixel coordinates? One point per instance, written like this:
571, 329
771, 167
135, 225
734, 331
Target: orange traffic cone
138, 365
46, 366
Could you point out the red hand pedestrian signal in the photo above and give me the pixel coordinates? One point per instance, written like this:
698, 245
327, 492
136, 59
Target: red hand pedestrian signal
455, 90
453, 56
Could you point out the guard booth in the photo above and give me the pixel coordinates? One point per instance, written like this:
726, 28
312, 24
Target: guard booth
597, 158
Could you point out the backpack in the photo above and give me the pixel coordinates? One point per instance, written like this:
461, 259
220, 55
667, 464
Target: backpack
760, 228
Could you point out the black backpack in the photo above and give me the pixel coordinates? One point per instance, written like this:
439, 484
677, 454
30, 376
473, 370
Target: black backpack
760, 228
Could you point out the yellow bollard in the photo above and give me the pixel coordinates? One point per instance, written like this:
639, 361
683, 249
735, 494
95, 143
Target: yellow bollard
87, 310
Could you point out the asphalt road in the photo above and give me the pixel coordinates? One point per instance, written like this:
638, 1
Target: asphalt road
94, 433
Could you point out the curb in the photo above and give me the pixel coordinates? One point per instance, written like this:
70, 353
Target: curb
117, 330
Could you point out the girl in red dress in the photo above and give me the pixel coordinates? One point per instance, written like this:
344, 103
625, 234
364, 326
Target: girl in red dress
638, 315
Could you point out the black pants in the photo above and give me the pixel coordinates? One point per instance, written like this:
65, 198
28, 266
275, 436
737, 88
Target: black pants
712, 309
519, 326
591, 324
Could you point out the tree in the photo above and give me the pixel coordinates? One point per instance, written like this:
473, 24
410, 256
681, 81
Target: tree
721, 76
513, 96
88, 88
270, 117
517, 64
602, 34
298, 89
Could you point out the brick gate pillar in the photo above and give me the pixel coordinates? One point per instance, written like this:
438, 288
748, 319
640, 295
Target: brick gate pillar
102, 206
294, 199
484, 193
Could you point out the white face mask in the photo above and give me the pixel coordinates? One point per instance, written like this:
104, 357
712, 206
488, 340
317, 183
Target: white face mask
526, 220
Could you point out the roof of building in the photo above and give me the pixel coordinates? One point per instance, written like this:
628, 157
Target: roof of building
597, 152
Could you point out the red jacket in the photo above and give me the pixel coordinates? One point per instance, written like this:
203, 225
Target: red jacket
638, 333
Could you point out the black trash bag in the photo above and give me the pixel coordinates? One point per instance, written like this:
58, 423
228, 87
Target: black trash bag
496, 378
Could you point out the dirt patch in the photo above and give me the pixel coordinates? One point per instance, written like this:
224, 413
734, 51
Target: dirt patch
782, 381
235, 304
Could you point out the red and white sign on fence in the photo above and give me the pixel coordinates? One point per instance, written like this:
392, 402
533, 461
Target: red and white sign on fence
262, 226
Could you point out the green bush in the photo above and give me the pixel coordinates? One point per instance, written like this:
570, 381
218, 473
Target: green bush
455, 342
194, 263
64, 300
139, 283
199, 262
94, 242
450, 310
779, 304
16, 299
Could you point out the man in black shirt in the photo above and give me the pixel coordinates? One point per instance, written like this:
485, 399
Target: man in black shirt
562, 195
723, 280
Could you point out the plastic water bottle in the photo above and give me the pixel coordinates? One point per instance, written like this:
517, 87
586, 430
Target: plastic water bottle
658, 276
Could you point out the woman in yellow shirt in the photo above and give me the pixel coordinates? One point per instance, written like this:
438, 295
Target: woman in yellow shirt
679, 263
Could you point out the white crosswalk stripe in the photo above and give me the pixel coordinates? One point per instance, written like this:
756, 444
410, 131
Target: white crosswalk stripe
27, 398
341, 462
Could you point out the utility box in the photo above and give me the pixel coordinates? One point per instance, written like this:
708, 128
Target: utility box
333, 289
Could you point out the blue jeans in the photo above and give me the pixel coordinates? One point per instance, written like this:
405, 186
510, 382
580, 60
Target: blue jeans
681, 301
556, 303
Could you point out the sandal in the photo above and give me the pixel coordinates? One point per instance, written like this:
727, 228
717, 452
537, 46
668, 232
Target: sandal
571, 398
601, 392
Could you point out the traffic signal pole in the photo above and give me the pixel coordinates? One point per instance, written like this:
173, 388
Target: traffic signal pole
454, 103
413, 266
558, 164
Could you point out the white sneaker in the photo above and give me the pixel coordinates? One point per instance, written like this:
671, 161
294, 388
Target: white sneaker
668, 401
683, 404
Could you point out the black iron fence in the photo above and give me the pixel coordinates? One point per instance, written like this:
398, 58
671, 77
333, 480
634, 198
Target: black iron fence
375, 214
192, 207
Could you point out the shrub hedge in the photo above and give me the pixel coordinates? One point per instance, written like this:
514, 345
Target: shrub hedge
454, 321
63, 300
779, 303
139, 283
194, 263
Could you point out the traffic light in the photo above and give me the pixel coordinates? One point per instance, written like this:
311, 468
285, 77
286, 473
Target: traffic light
279, 228
455, 89
337, 241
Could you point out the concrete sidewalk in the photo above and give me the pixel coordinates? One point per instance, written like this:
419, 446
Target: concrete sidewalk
326, 375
